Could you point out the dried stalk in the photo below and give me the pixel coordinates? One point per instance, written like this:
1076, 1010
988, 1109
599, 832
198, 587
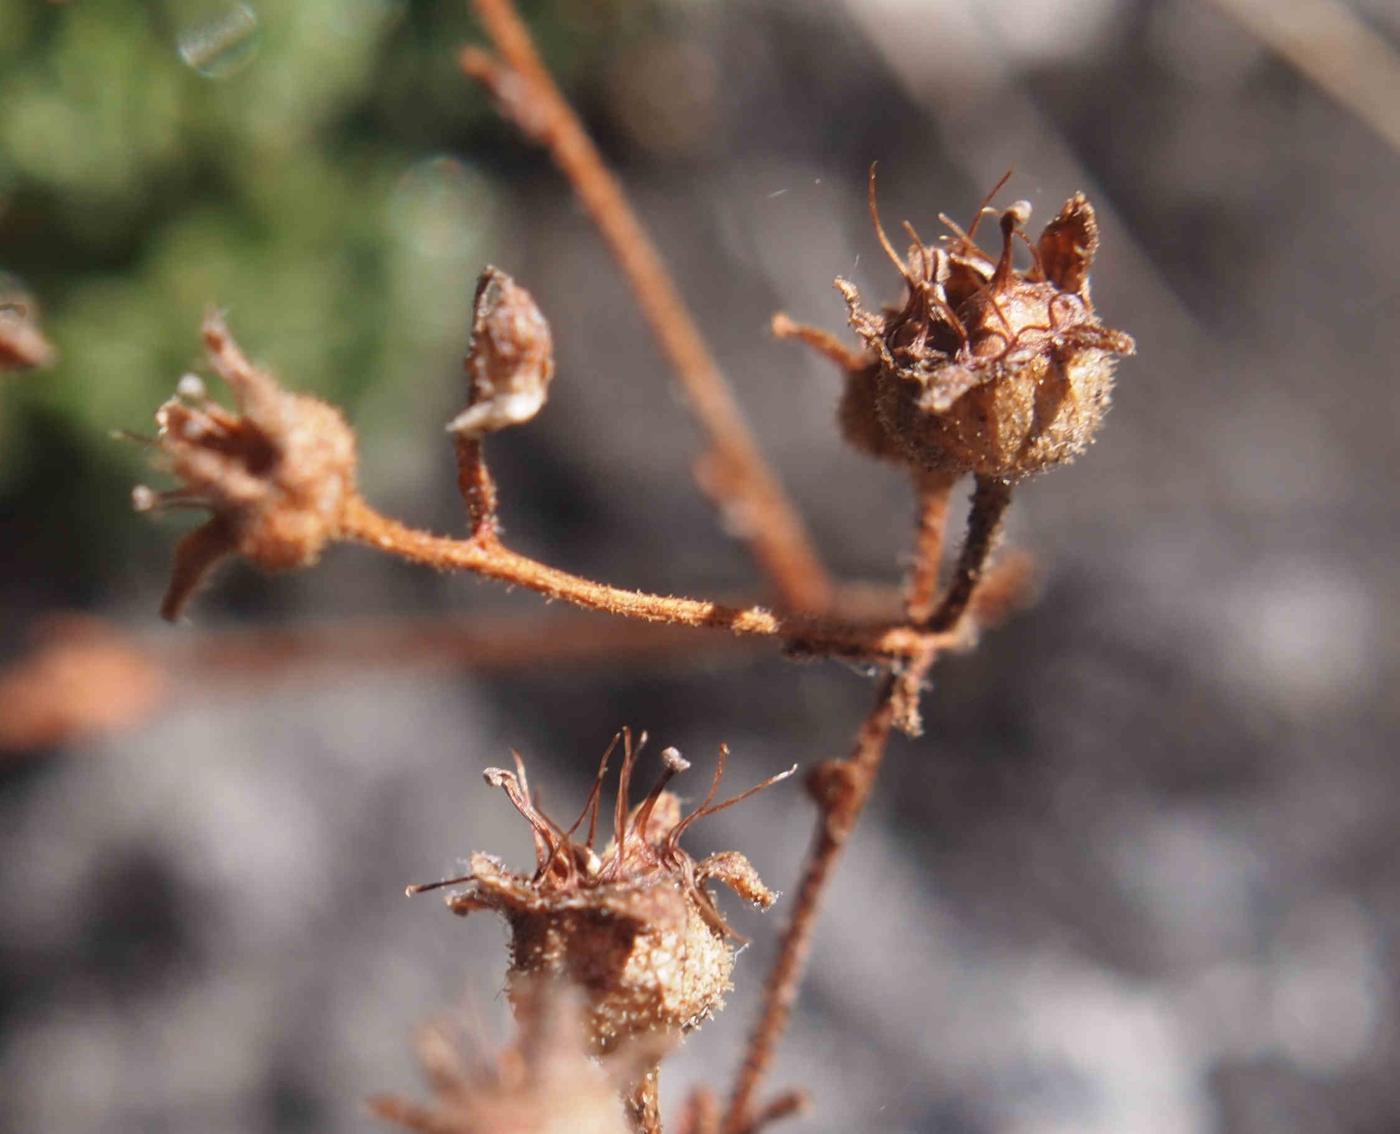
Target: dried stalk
359, 522
841, 789
478, 488
933, 489
644, 1102
990, 498
735, 473
1331, 43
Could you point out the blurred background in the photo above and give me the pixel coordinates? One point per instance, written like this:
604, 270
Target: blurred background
1141, 873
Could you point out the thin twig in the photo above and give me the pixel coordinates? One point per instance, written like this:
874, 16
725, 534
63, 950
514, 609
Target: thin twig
737, 477
87, 677
933, 491
781, 1106
478, 488
1330, 43
990, 499
841, 789
644, 1102
802, 634
701, 1114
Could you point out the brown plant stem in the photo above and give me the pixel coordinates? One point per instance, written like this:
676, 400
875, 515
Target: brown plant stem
841, 789
362, 524
477, 486
644, 1102
737, 477
933, 490
701, 1114
990, 499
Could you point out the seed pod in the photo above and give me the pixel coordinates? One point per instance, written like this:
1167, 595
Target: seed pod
512, 358
984, 368
276, 474
635, 927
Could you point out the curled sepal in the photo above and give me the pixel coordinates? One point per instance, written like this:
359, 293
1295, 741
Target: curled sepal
735, 871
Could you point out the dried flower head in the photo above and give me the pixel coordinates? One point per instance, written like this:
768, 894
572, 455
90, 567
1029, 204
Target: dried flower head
634, 927
276, 475
545, 1083
985, 368
22, 345
511, 361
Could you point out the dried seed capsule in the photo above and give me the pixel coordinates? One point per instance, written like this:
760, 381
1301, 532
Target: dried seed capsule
512, 358
985, 369
276, 474
635, 927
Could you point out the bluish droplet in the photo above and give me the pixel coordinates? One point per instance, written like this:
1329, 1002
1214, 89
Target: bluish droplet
217, 38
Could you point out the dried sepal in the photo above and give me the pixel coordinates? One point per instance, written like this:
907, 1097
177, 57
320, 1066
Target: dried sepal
545, 1083
736, 872
276, 474
633, 925
511, 361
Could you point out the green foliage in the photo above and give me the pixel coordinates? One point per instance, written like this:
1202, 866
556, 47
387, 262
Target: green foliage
295, 172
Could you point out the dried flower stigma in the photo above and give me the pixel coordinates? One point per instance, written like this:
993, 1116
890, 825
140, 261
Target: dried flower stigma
276, 474
635, 925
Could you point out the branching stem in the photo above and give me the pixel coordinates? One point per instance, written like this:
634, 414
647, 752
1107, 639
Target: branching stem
735, 473
360, 523
841, 789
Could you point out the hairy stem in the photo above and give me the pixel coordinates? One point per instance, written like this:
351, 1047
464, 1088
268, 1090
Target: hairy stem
362, 524
841, 789
738, 478
990, 499
478, 488
644, 1103
933, 491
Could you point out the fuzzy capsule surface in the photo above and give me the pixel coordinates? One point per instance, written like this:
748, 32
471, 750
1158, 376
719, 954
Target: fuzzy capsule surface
986, 369
635, 928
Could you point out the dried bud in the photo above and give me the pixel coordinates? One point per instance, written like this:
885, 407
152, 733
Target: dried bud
276, 475
511, 360
544, 1084
22, 344
985, 369
635, 927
